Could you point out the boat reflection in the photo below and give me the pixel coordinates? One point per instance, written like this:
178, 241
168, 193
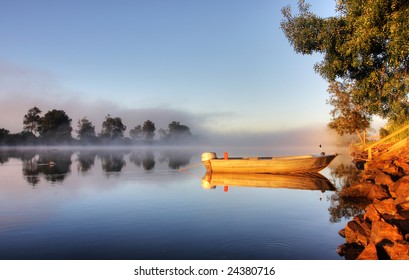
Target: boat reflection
302, 181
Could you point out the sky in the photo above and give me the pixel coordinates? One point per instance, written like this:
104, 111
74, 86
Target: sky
217, 66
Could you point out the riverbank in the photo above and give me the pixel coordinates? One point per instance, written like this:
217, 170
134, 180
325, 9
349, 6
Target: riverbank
382, 230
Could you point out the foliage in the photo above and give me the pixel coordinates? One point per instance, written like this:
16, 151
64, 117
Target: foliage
347, 116
55, 127
136, 133
112, 128
148, 129
365, 46
4, 133
32, 120
383, 132
176, 132
86, 131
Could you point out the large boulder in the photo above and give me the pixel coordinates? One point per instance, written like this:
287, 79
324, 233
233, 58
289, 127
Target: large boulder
358, 231
402, 184
386, 206
398, 250
369, 253
404, 166
378, 192
382, 231
358, 190
383, 179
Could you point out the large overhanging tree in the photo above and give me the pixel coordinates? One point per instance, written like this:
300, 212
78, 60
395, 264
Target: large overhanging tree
365, 50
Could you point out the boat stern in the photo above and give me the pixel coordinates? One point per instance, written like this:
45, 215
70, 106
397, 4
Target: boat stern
206, 158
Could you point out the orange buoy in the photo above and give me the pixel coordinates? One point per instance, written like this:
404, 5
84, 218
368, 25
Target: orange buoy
226, 155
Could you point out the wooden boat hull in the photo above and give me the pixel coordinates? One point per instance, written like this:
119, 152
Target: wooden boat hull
273, 165
300, 181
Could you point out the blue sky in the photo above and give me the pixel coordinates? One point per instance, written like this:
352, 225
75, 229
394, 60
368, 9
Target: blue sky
214, 65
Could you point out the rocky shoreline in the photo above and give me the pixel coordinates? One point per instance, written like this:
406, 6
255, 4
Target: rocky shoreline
381, 232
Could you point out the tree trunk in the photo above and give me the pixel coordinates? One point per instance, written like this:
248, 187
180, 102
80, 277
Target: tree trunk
360, 137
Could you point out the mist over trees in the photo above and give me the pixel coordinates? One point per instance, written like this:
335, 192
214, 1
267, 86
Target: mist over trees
55, 128
365, 50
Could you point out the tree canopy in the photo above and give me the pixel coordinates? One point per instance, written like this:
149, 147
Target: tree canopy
148, 129
86, 130
113, 128
56, 126
32, 120
365, 50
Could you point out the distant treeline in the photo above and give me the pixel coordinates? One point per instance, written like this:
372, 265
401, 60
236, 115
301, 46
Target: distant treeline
54, 128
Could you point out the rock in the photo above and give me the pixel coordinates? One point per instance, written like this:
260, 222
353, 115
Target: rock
402, 164
377, 192
359, 190
403, 206
404, 181
402, 192
371, 214
350, 251
369, 253
383, 179
398, 220
368, 176
342, 233
391, 169
357, 232
398, 250
384, 231
386, 206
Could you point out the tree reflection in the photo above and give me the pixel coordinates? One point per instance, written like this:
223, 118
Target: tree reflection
4, 157
176, 158
86, 160
30, 171
22, 155
344, 175
112, 161
60, 168
146, 159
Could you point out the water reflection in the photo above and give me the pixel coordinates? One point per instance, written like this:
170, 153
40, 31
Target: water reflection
305, 181
86, 160
122, 197
146, 159
344, 175
112, 161
176, 158
36, 163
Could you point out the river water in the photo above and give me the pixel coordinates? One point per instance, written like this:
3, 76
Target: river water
152, 203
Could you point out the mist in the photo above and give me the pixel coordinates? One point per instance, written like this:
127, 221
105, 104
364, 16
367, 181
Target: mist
24, 88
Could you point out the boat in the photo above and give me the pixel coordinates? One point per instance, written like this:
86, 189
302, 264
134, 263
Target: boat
272, 165
301, 181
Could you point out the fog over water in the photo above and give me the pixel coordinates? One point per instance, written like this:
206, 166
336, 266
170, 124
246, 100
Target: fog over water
22, 88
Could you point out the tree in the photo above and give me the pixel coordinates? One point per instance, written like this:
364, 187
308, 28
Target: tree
112, 128
366, 46
32, 120
175, 132
86, 131
347, 116
4, 136
55, 126
136, 133
148, 130
163, 134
